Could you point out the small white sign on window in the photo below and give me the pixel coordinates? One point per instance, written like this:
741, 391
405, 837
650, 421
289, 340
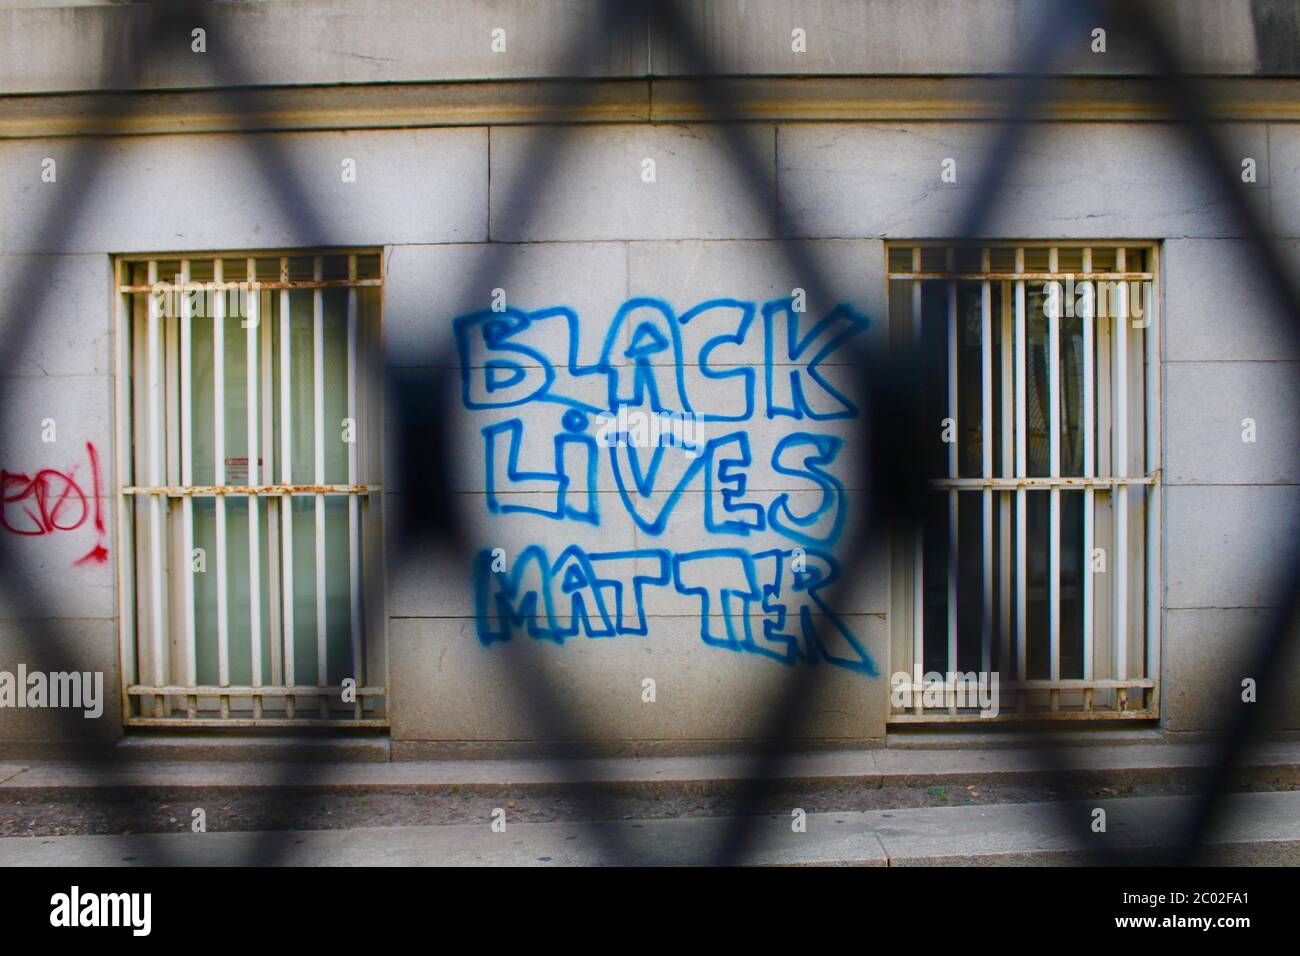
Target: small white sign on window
237, 470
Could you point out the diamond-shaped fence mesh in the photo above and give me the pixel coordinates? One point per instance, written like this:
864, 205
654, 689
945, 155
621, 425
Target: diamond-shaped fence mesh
891, 386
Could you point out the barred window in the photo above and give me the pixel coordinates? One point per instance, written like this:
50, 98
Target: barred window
248, 412
1037, 555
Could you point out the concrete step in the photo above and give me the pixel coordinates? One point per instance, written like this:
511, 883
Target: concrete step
1275, 765
1259, 829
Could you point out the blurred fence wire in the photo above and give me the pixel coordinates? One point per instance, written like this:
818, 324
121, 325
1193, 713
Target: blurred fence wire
889, 382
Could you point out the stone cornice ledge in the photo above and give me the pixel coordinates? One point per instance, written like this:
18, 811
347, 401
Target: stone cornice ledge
668, 100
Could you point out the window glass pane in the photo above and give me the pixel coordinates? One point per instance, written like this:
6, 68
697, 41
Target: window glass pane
336, 385
205, 591
338, 606
334, 267
1072, 565
302, 413
238, 590
1071, 371
304, 588
236, 368
169, 270
970, 580
1004, 545
969, 259
1037, 410
934, 359
970, 374
935, 623
1037, 508
1103, 259
300, 267
203, 411
934, 259
1003, 259
1037, 259
234, 270
1001, 374
900, 314
1069, 259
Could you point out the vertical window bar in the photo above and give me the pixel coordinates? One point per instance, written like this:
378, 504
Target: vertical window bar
252, 335
918, 552
1006, 577
126, 595
1121, 470
1153, 465
286, 477
267, 408
986, 461
187, 478
1054, 451
1022, 580
219, 462
154, 375
172, 513
318, 389
953, 448
354, 550
1089, 471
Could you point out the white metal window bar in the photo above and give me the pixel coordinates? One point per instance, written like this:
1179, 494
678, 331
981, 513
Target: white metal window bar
1041, 569
206, 401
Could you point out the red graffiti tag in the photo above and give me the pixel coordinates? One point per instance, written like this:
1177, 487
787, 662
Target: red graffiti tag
52, 500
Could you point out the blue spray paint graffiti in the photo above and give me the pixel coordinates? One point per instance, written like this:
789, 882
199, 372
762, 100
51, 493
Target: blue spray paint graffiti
633, 411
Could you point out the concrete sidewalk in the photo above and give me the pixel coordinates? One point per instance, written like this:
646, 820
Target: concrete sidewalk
1277, 764
1260, 829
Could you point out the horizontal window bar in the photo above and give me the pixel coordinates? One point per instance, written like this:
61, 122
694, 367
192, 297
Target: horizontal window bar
1062, 684
1041, 482
263, 691
227, 723
1007, 717
202, 491
200, 286
1016, 276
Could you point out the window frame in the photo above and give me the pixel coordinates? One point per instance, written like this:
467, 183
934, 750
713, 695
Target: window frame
158, 644
1130, 687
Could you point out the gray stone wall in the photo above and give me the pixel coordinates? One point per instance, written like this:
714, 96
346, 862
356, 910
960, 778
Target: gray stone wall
64, 48
441, 202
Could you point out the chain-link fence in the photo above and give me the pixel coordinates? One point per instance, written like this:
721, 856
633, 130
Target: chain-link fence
891, 383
